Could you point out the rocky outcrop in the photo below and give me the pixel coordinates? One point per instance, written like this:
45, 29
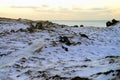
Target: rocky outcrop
109, 23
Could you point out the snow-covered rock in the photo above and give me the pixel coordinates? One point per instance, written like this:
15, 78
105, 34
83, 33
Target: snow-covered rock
40, 55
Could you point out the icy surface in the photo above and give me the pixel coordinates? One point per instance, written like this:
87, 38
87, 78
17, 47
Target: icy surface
40, 56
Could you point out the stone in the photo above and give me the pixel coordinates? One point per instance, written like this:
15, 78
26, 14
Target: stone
81, 25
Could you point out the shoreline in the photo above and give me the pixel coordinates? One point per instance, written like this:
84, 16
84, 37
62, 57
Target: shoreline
71, 22
85, 23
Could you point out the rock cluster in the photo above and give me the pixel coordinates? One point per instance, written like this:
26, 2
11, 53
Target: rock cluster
109, 23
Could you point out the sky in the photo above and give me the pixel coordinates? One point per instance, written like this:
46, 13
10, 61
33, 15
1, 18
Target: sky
60, 9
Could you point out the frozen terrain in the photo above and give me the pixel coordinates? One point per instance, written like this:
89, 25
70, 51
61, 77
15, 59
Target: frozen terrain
40, 55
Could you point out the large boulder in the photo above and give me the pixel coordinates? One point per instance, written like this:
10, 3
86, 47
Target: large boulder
114, 22
108, 23
81, 25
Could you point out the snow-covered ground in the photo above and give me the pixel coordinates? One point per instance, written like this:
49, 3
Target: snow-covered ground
41, 56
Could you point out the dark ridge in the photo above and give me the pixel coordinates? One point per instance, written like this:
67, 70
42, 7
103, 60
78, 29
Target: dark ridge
108, 72
112, 57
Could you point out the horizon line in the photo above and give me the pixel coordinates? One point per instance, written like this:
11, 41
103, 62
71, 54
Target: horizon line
57, 19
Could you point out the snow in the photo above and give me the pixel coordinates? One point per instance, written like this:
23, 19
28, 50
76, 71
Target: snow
11, 59
40, 56
12, 26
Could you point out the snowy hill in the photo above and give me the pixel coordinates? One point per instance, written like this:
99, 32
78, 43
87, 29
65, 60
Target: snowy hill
58, 52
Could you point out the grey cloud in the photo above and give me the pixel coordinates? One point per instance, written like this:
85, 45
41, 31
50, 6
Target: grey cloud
98, 9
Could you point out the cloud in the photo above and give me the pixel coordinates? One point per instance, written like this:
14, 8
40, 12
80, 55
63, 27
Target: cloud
59, 9
30, 7
97, 9
61, 12
90, 9
27, 7
52, 10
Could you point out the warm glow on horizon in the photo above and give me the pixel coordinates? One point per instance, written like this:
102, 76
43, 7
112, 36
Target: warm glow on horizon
60, 9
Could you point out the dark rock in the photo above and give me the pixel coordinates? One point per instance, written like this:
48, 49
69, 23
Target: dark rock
23, 59
31, 30
81, 25
75, 26
108, 72
66, 49
39, 25
16, 66
12, 31
2, 55
31, 25
79, 78
28, 72
108, 23
113, 74
84, 35
62, 26
84, 66
22, 30
87, 60
111, 61
112, 57
57, 77
118, 73
65, 40
116, 78
114, 22
105, 73
19, 19
75, 43
48, 22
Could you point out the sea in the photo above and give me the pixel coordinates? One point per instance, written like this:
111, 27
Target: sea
93, 23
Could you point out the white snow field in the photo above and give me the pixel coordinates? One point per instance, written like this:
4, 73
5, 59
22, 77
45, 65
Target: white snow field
41, 56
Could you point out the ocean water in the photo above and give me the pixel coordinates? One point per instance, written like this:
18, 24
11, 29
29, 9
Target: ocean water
95, 23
